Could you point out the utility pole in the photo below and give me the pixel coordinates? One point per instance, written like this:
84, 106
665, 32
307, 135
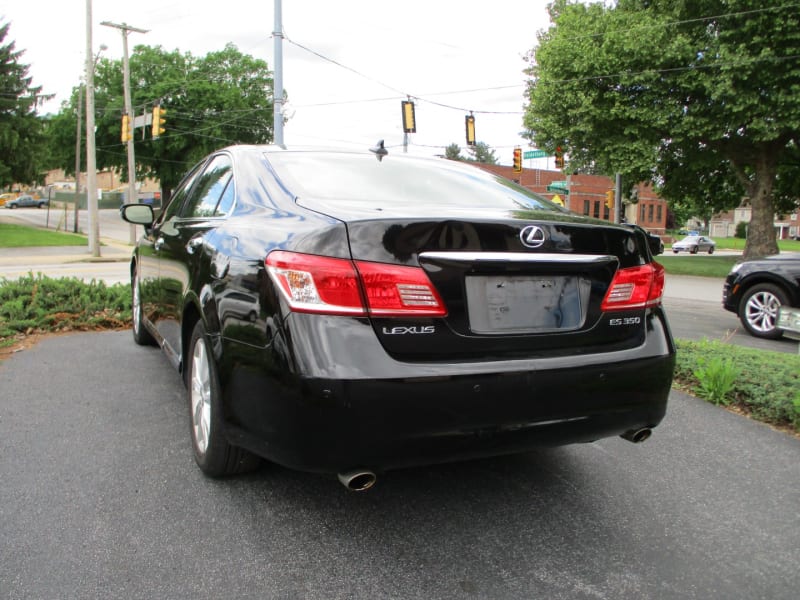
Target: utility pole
277, 84
126, 78
78, 147
91, 157
78, 162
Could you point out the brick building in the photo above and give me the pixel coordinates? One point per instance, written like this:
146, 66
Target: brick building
587, 195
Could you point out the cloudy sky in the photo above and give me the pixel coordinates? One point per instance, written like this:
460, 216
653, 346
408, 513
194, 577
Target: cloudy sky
452, 56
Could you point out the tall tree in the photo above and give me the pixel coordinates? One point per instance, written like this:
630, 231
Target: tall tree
223, 98
20, 128
697, 96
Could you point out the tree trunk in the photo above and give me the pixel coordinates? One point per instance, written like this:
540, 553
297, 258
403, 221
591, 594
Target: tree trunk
761, 230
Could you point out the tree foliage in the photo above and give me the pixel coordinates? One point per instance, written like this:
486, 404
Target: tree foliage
453, 152
698, 96
20, 128
223, 98
481, 153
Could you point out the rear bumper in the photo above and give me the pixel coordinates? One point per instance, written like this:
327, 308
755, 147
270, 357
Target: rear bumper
450, 412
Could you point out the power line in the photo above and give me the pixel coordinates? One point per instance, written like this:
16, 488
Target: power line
398, 91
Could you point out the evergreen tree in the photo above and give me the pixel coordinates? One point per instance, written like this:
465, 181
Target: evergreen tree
20, 127
453, 152
482, 153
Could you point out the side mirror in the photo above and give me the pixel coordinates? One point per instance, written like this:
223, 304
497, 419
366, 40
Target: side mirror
655, 243
138, 214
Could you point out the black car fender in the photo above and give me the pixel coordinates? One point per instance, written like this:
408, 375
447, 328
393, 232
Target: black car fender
748, 281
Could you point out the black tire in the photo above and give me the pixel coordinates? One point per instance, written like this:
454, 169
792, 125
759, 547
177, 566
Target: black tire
12, 206
693, 250
40, 205
758, 310
711, 249
215, 456
675, 251
140, 333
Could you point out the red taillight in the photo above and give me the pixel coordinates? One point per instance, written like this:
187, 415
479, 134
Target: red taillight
316, 283
320, 284
635, 287
394, 290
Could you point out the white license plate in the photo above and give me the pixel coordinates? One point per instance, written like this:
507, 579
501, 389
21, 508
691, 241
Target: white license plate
498, 304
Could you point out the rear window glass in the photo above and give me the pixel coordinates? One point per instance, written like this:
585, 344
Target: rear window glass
399, 181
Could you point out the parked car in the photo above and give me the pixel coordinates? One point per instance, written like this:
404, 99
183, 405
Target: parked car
336, 313
27, 200
694, 244
755, 289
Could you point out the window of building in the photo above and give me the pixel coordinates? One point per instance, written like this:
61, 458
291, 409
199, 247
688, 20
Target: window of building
586, 207
650, 213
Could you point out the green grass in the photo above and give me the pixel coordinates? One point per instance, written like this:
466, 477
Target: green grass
766, 385
21, 236
701, 265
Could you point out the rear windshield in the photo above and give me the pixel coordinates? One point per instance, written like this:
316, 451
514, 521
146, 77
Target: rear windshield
400, 181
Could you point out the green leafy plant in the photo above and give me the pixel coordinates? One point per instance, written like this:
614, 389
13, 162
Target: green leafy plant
717, 377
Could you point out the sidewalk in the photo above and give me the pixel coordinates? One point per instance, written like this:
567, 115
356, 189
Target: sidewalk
688, 287
110, 251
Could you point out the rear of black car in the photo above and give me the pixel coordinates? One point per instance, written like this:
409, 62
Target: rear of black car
467, 317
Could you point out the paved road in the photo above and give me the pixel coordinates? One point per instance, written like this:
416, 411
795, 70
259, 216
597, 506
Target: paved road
100, 498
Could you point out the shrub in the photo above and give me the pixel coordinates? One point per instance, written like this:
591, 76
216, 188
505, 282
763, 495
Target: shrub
39, 303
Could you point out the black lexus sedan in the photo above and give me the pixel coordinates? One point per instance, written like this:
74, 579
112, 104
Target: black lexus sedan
755, 289
348, 312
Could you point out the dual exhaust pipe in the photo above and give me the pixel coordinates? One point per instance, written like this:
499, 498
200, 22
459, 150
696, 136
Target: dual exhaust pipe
362, 480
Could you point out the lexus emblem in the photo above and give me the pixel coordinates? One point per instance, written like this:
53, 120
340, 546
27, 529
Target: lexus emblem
532, 236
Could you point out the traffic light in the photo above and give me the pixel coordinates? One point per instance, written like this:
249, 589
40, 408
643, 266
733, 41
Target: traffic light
158, 120
127, 128
470, 123
517, 160
409, 119
559, 158
610, 199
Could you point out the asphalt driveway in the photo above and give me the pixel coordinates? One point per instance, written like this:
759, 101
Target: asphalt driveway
100, 498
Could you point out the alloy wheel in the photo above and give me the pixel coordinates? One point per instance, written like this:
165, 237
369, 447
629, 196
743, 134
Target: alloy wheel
761, 311
201, 396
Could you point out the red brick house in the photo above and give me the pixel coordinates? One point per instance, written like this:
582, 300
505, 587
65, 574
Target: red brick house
587, 195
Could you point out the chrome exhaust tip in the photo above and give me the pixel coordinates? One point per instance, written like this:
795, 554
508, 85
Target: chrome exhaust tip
358, 481
637, 436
